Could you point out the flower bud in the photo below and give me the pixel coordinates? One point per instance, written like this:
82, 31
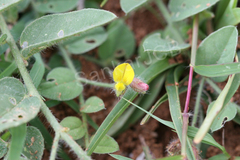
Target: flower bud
139, 86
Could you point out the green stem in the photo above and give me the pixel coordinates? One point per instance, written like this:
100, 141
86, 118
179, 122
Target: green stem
95, 83
167, 17
81, 98
213, 85
84, 119
194, 40
197, 104
31, 88
55, 146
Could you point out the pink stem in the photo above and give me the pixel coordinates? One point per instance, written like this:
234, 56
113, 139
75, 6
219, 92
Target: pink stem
189, 89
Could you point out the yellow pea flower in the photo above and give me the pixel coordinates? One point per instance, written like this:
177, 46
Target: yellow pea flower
123, 76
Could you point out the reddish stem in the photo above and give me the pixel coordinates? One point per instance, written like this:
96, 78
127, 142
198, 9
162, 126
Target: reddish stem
189, 89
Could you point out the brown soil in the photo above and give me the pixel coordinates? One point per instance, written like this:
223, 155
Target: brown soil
156, 135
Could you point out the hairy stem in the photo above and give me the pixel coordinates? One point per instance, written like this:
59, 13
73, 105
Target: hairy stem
95, 83
167, 17
54, 146
192, 64
81, 98
32, 90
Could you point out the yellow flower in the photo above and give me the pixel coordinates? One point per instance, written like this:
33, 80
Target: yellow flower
123, 76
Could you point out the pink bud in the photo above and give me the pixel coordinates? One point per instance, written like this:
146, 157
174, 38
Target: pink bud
139, 86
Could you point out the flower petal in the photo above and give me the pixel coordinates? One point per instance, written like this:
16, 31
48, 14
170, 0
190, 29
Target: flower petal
123, 73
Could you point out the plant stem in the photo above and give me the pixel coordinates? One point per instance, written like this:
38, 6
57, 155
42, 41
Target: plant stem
197, 104
213, 85
31, 88
54, 146
81, 99
95, 83
84, 119
167, 17
192, 64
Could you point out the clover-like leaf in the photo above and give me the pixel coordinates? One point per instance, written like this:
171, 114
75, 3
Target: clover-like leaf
3, 147
93, 104
75, 127
61, 85
23, 112
34, 144
51, 29
86, 41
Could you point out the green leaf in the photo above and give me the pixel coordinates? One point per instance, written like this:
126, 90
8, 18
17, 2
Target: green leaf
230, 15
218, 48
35, 37
148, 74
227, 113
23, 5
3, 148
179, 157
120, 42
12, 92
127, 6
119, 157
217, 70
86, 41
23, 112
17, 141
17, 29
213, 112
53, 6
11, 15
93, 104
5, 4
220, 157
37, 70
106, 145
61, 85
182, 9
165, 46
9, 70
34, 144
75, 127
56, 61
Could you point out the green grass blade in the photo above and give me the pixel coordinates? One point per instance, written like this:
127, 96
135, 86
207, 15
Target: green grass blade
9, 70
17, 141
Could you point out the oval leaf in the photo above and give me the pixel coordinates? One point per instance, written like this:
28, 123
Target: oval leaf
127, 6
86, 41
168, 46
182, 9
120, 42
75, 126
3, 148
12, 92
218, 48
34, 144
53, 6
93, 104
226, 114
5, 4
51, 29
23, 112
61, 85
106, 145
